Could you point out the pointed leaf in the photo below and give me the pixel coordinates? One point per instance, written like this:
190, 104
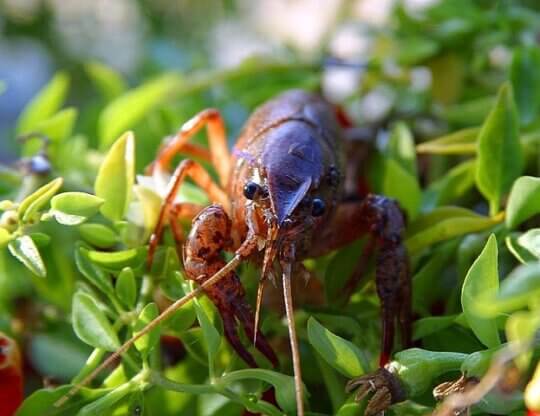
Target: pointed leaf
531, 241
147, 342
98, 235
526, 81
482, 280
341, 354
524, 201
500, 157
126, 287
116, 176
91, 325
110, 83
37, 200
45, 104
401, 148
403, 186
24, 249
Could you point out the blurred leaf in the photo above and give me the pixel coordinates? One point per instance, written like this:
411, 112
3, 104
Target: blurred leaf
116, 177
401, 185
41, 402
340, 270
482, 279
452, 186
431, 325
524, 200
126, 287
5, 237
98, 235
519, 252
469, 113
151, 206
67, 219
125, 111
459, 142
500, 158
445, 223
341, 354
76, 203
37, 200
401, 148
117, 260
211, 334
521, 328
526, 82
109, 82
91, 325
24, 249
45, 104
147, 342
57, 128
531, 241
40, 239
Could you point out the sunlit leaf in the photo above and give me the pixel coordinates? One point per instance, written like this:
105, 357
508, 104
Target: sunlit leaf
77, 203
126, 287
98, 235
37, 200
116, 177
24, 249
482, 279
110, 83
147, 342
524, 201
500, 158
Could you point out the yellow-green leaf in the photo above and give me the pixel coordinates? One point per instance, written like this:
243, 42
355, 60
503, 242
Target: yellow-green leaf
24, 249
109, 82
37, 200
524, 200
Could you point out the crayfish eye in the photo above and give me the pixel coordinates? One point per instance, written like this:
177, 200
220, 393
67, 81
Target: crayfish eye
318, 207
251, 189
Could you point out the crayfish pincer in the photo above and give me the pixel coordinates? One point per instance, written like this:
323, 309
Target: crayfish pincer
279, 200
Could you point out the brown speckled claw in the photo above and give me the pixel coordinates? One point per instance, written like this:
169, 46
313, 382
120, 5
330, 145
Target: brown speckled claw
384, 386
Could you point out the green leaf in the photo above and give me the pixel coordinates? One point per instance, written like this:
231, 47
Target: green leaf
401, 185
147, 342
521, 327
151, 206
517, 290
117, 260
526, 81
519, 252
24, 249
459, 142
340, 270
482, 279
500, 157
401, 148
116, 176
93, 273
524, 201
126, 287
45, 104
341, 354
452, 186
98, 235
41, 402
130, 108
445, 223
37, 200
91, 325
67, 219
211, 334
109, 82
531, 241
5, 237
431, 325
77, 203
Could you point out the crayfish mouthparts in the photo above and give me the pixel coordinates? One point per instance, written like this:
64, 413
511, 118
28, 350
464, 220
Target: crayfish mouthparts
385, 387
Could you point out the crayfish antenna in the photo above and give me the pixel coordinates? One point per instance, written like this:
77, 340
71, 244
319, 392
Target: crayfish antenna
224, 271
287, 297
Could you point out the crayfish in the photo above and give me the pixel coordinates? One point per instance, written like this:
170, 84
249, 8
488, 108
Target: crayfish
280, 199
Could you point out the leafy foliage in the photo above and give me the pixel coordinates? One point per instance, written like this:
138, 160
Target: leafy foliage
460, 156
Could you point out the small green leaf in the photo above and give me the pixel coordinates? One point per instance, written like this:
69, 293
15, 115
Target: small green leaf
24, 249
452, 186
500, 157
445, 223
147, 342
151, 205
91, 325
37, 200
482, 279
401, 185
128, 109
5, 237
526, 81
45, 104
116, 176
67, 219
109, 82
341, 354
431, 325
524, 201
211, 334
77, 203
401, 148
98, 235
531, 241
93, 273
41, 239
116, 260
519, 252
459, 142
126, 287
